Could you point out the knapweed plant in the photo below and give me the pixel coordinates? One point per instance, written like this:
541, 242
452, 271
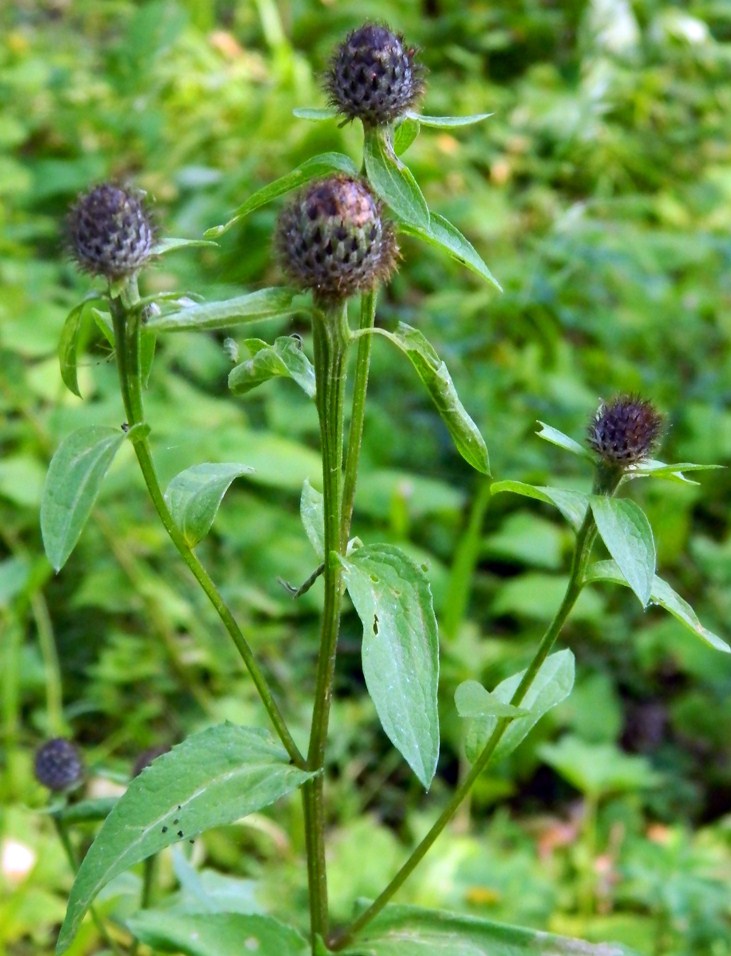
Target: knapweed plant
336, 243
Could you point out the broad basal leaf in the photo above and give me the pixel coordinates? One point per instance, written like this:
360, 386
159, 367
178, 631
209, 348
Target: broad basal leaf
444, 235
664, 596
311, 169
312, 513
626, 532
551, 685
264, 304
217, 934
284, 359
393, 181
435, 376
400, 650
571, 504
72, 485
413, 931
212, 778
194, 496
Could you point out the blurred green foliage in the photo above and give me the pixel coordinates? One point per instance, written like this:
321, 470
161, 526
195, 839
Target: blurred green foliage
600, 196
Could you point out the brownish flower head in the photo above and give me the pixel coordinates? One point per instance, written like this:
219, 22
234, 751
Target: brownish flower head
625, 431
58, 765
109, 232
373, 76
332, 239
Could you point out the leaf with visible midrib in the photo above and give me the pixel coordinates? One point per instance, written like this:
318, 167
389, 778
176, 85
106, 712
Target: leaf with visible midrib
194, 496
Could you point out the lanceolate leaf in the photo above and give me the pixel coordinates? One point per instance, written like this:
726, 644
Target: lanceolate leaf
444, 235
571, 504
412, 931
216, 934
448, 122
548, 433
393, 181
212, 778
313, 518
311, 169
404, 135
283, 359
72, 485
435, 376
551, 685
626, 532
264, 304
400, 650
69, 344
171, 245
664, 596
315, 114
194, 496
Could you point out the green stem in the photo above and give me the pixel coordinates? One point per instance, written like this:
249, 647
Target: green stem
126, 322
465, 560
330, 339
582, 550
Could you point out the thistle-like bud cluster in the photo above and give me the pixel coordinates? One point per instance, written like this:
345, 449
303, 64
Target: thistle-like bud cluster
109, 232
59, 765
373, 76
331, 239
625, 431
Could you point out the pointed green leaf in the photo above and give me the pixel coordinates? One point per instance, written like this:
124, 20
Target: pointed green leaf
651, 468
551, 685
472, 700
627, 534
548, 433
211, 779
315, 114
164, 246
103, 321
435, 376
413, 931
571, 504
444, 235
663, 596
404, 135
216, 934
194, 496
264, 304
400, 650
283, 359
448, 122
72, 485
312, 513
312, 168
68, 345
393, 181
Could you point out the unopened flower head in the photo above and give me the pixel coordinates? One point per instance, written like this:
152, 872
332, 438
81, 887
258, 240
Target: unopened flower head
373, 76
625, 431
110, 232
333, 240
58, 765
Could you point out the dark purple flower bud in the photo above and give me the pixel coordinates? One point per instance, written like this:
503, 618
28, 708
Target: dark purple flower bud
58, 765
625, 431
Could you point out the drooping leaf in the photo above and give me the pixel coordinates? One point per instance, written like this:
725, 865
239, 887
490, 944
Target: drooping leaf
551, 685
313, 518
164, 246
216, 934
413, 931
553, 435
72, 484
194, 496
448, 122
68, 345
444, 235
435, 376
264, 304
626, 532
392, 597
393, 181
472, 700
283, 359
311, 169
663, 596
315, 114
211, 779
571, 504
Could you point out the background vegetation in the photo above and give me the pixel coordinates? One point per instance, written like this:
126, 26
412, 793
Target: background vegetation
600, 195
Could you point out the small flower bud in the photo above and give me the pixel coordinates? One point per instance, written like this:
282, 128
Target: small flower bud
331, 239
58, 765
625, 431
373, 76
109, 232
